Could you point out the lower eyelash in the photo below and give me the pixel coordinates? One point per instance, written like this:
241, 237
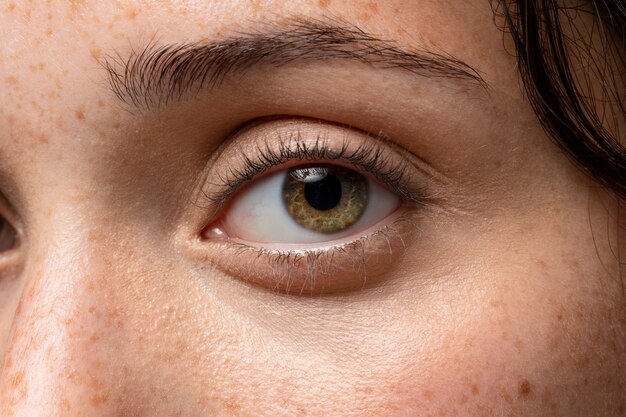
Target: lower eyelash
340, 268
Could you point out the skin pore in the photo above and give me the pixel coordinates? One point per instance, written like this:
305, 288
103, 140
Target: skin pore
499, 294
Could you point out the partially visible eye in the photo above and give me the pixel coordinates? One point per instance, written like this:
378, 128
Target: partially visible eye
8, 236
314, 203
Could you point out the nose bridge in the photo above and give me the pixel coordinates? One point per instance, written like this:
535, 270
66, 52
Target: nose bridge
64, 330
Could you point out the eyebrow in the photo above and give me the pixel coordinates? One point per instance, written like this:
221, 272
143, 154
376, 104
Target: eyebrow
156, 75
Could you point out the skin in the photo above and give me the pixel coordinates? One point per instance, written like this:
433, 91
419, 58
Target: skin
506, 300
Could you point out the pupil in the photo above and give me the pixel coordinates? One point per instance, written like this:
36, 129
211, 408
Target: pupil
323, 194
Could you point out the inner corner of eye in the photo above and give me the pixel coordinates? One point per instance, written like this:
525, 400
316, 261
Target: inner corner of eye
213, 232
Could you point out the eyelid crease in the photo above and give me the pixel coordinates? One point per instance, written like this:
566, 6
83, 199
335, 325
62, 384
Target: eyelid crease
374, 156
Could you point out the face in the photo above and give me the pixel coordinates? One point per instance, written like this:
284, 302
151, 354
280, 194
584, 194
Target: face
246, 208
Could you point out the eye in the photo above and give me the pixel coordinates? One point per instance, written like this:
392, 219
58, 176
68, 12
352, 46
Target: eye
310, 204
306, 207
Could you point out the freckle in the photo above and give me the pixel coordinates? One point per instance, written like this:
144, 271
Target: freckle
76, 5
98, 399
43, 139
475, 390
112, 313
49, 32
11, 80
373, 7
17, 380
524, 388
541, 264
30, 294
463, 399
11, 7
95, 52
428, 394
131, 13
100, 103
80, 114
65, 405
323, 3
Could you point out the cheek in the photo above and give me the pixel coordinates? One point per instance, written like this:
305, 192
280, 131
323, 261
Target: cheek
545, 353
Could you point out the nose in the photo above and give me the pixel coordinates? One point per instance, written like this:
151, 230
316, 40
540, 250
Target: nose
64, 352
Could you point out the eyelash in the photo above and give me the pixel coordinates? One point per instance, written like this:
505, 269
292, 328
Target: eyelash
368, 158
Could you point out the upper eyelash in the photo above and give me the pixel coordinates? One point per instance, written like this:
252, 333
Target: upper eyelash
369, 157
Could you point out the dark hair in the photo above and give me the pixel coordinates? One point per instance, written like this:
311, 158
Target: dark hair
552, 49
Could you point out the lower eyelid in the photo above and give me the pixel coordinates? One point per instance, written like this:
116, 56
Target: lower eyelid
343, 267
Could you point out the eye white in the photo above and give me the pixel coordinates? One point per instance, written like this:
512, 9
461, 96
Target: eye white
259, 214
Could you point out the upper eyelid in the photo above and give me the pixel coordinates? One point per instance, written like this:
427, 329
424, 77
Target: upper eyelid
369, 156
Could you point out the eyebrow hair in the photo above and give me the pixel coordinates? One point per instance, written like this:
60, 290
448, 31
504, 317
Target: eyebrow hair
156, 75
